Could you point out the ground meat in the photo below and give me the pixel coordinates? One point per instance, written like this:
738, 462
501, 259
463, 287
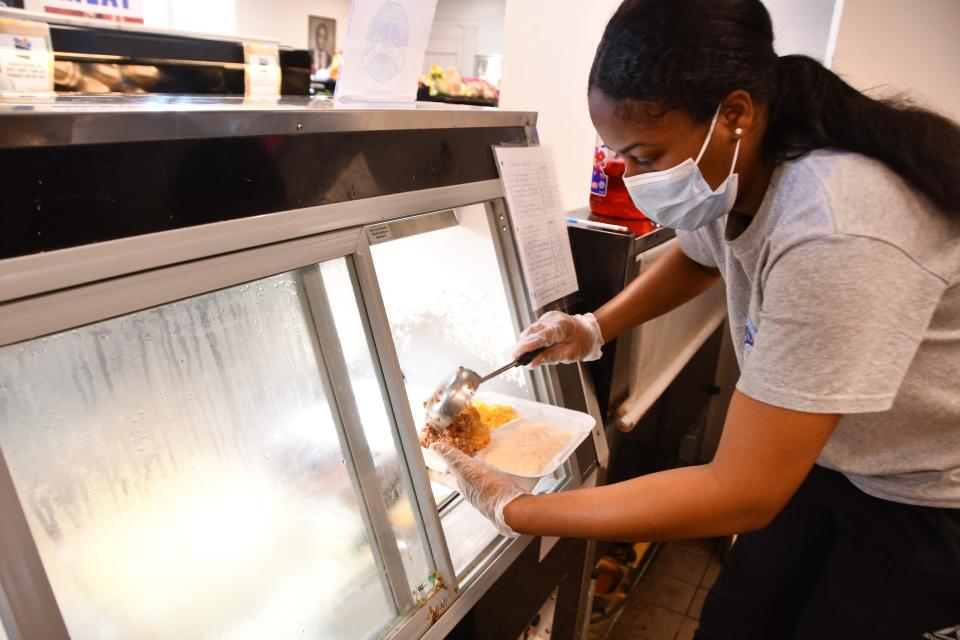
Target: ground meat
467, 433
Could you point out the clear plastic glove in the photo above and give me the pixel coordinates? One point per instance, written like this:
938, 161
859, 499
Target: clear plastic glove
488, 489
570, 338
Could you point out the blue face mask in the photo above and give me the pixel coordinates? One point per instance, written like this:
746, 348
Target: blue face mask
679, 197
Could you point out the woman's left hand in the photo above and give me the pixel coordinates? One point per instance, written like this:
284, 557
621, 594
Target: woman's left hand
488, 489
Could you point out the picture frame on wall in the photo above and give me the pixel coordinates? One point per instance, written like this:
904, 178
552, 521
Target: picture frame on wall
322, 42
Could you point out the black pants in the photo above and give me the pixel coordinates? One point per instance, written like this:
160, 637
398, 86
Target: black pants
838, 563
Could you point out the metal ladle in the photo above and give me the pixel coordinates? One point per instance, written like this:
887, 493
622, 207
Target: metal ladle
452, 397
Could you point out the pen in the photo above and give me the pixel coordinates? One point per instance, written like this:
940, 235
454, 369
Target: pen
598, 225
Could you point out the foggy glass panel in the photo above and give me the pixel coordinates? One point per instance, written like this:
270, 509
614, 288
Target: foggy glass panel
377, 425
182, 474
448, 306
469, 534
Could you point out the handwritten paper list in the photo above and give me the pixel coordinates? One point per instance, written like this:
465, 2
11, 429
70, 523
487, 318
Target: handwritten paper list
533, 198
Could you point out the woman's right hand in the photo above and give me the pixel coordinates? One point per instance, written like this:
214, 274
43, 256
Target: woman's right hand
569, 338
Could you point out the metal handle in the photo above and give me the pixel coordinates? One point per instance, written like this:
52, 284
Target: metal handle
523, 360
528, 357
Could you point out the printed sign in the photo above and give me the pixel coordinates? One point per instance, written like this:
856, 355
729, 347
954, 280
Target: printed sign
114, 10
384, 48
26, 57
262, 78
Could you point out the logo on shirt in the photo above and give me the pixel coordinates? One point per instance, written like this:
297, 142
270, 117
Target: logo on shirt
749, 336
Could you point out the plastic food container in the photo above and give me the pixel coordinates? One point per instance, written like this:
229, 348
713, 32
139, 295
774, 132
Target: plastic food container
576, 423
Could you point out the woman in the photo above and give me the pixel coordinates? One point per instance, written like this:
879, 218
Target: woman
834, 221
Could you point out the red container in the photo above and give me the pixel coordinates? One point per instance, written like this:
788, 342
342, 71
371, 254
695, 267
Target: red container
608, 195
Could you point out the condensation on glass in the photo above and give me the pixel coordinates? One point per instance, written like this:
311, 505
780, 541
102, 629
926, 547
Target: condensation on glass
355, 341
448, 306
182, 474
469, 535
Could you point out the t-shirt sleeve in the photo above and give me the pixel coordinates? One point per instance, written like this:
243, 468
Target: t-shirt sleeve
840, 322
695, 247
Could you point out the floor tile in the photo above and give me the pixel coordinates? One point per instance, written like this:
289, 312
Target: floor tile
687, 629
669, 598
647, 622
713, 570
706, 547
680, 565
665, 591
602, 629
696, 606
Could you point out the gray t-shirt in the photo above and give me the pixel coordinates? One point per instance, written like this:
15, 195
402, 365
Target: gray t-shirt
844, 297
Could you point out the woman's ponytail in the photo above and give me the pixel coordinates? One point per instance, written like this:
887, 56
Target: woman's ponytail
653, 51
813, 108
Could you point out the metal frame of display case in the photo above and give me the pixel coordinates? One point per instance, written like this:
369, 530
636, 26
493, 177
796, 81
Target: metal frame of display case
45, 293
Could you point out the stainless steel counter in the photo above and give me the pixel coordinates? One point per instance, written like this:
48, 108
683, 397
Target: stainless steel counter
70, 120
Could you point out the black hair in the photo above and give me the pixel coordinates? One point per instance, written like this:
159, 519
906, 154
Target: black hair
690, 54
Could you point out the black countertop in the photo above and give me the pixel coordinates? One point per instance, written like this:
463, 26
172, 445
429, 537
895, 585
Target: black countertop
646, 234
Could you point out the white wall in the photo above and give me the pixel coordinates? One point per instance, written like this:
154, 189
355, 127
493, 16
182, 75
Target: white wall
802, 27
283, 20
210, 16
286, 20
547, 55
909, 47
463, 29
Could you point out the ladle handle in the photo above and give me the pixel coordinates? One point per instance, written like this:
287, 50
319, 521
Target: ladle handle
528, 357
522, 361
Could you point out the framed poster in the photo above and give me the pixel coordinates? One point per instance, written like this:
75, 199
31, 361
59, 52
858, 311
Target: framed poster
322, 42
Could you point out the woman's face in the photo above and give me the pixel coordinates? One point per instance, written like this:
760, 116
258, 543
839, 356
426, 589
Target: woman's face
654, 143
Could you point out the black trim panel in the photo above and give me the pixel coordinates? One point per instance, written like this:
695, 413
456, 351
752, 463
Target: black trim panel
509, 606
131, 44
59, 197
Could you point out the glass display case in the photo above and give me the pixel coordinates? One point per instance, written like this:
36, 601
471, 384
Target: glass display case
154, 451
210, 403
447, 298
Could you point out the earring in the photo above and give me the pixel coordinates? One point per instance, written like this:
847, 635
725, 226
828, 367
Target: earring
738, 132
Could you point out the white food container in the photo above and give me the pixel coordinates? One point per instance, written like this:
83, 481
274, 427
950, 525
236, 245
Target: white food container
576, 423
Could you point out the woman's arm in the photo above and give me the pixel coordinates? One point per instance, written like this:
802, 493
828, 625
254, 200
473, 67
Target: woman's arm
671, 281
764, 454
